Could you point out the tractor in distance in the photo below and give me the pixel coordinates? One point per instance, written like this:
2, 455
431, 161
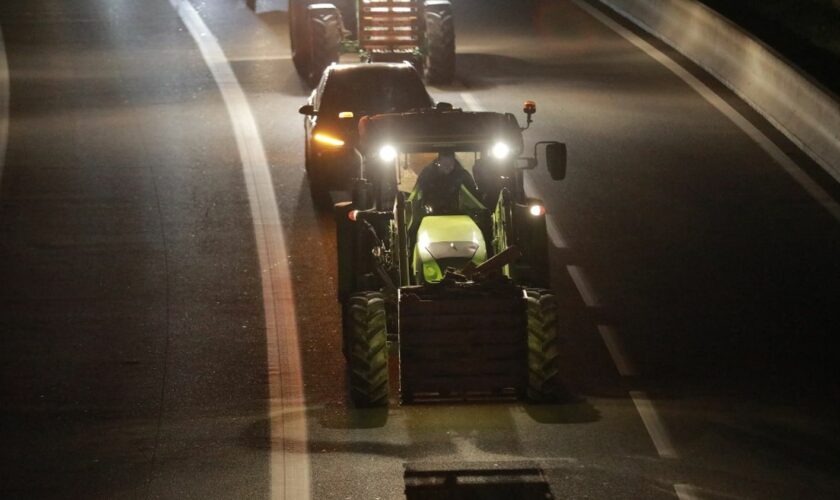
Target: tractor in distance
421, 32
441, 250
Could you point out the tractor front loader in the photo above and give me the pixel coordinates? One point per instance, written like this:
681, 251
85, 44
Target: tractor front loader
454, 269
422, 32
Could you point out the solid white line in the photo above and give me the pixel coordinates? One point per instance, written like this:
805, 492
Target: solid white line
4, 104
687, 492
789, 166
290, 476
622, 363
657, 431
590, 298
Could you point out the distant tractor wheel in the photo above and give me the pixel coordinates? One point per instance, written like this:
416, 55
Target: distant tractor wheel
440, 43
299, 35
325, 33
366, 348
543, 347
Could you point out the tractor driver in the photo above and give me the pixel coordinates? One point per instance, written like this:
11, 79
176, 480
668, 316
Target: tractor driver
439, 184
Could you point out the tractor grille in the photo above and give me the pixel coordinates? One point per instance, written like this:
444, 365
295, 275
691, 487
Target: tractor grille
462, 347
390, 25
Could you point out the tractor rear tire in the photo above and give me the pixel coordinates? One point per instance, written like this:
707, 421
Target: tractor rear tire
439, 66
366, 348
325, 32
543, 347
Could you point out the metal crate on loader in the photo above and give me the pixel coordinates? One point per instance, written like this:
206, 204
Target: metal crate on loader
422, 32
441, 249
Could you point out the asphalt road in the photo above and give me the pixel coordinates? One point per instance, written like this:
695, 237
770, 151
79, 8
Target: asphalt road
133, 329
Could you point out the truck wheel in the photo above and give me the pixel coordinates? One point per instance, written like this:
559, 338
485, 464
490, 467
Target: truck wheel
299, 36
543, 349
440, 43
324, 39
366, 349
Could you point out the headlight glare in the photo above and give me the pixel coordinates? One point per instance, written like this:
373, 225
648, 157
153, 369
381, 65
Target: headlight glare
388, 153
500, 151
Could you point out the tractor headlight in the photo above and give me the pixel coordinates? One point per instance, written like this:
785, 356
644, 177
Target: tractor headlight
536, 209
388, 153
500, 151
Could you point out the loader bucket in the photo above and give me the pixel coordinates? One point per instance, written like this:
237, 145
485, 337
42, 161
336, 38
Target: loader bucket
462, 346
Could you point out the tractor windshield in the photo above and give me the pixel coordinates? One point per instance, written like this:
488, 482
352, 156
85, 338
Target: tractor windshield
412, 164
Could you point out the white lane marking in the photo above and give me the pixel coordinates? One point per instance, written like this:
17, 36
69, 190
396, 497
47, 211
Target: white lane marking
556, 236
656, 429
625, 367
789, 166
471, 102
290, 475
687, 492
587, 293
4, 104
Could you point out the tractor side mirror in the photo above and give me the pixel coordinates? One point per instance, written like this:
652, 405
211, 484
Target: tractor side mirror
308, 110
555, 160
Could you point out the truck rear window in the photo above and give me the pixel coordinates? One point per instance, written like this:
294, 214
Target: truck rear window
374, 92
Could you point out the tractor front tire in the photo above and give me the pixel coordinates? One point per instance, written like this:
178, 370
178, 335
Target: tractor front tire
543, 347
366, 348
439, 66
325, 32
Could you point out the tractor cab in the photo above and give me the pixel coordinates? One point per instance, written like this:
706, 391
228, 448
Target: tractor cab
441, 247
447, 226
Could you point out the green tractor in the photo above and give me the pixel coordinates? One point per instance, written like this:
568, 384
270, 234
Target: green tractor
421, 32
441, 249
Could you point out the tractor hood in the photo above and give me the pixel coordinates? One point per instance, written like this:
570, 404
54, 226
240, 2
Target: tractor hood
447, 241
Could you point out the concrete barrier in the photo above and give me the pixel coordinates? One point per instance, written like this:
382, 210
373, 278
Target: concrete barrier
803, 110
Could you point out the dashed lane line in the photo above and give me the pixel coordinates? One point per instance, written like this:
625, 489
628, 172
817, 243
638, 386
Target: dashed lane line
471, 102
623, 364
587, 293
789, 166
650, 418
687, 492
556, 236
289, 465
656, 429
4, 104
